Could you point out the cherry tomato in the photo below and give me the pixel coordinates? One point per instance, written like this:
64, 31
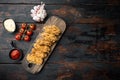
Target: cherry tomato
29, 32
21, 30
15, 54
18, 36
32, 26
23, 25
27, 38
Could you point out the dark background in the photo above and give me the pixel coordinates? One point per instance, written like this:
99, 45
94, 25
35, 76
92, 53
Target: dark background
89, 49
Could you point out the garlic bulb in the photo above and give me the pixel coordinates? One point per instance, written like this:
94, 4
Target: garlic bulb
38, 13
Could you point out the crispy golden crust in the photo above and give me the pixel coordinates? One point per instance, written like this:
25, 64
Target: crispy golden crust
52, 29
40, 54
32, 58
42, 46
43, 42
49, 37
44, 49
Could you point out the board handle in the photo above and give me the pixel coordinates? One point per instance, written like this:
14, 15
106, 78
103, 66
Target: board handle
32, 68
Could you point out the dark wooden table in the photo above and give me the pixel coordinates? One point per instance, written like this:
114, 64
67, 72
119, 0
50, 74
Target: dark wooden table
89, 49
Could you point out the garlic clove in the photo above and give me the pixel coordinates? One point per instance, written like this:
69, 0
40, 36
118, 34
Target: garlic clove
36, 18
35, 7
39, 12
42, 16
43, 11
32, 11
38, 6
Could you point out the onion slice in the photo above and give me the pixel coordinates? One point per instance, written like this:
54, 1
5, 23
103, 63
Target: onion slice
9, 25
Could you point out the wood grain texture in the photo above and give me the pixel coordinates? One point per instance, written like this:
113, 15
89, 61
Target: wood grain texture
69, 2
53, 20
82, 40
71, 14
7, 37
64, 70
89, 49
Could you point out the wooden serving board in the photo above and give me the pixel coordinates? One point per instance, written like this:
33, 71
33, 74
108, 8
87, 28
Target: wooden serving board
32, 68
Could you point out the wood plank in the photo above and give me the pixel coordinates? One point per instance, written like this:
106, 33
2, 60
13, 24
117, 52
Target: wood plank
75, 2
86, 51
80, 42
71, 14
85, 42
6, 38
64, 70
54, 20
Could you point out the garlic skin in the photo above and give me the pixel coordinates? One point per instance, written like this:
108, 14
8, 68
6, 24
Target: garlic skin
35, 18
38, 13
